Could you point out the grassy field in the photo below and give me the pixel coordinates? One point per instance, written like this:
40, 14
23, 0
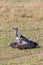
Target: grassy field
27, 15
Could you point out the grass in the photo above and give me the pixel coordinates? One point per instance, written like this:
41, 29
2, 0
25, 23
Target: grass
28, 17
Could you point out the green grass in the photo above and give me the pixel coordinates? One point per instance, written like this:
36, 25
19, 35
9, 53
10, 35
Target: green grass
15, 1
27, 15
11, 56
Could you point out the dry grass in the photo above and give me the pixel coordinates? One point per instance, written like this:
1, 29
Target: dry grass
28, 17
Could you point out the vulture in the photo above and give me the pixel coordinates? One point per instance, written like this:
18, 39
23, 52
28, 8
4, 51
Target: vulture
22, 42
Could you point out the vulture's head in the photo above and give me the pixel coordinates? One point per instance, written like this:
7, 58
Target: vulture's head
15, 28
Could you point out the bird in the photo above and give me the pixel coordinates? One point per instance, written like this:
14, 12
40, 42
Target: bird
23, 42
20, 38
13, 44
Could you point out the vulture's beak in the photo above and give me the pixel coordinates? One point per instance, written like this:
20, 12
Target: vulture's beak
15, 28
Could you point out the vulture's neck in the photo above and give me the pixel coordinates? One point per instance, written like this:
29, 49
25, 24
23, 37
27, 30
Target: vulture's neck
16, 33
